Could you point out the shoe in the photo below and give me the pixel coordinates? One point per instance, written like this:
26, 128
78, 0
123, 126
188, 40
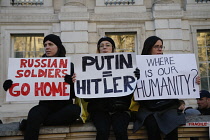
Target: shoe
1, 122
22, 125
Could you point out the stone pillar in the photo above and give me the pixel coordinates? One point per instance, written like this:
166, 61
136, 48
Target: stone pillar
74, 26
57, 5
2, 71
171, 28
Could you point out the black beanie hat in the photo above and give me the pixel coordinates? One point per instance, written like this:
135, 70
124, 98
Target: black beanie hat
57, 41
106, 38
204, 93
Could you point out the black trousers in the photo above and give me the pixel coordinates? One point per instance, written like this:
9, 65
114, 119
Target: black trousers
153, 130
41, 114
103, 121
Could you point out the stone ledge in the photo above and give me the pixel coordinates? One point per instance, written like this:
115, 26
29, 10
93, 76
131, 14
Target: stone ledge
11, 129
87, 131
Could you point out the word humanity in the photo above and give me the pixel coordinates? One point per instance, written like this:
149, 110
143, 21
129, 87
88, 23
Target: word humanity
168, 85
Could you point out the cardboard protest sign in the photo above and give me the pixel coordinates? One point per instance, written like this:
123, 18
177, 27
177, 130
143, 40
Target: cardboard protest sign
38, 79
167, 77
105, 75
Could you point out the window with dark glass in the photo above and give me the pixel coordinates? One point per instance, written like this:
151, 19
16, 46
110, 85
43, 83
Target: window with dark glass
26, 2
202, 1
119, 2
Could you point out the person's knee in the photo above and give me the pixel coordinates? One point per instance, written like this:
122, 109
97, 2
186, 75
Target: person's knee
37, 112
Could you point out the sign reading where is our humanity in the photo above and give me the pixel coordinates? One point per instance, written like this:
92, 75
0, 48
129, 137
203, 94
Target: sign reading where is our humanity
38, 79
105, 75
167, 77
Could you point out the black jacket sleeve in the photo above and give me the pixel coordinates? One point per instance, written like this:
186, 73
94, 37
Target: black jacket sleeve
72, 91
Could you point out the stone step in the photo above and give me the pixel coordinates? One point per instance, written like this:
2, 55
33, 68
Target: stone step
14, 112
87, 131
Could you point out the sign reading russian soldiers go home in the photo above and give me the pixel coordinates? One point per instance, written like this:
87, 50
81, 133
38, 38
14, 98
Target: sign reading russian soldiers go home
167, 77
38, 79
105, 75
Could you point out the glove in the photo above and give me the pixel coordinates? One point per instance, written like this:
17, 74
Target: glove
68, 79
7, 84
137, 73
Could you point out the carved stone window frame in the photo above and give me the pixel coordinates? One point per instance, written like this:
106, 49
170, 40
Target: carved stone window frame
194, 30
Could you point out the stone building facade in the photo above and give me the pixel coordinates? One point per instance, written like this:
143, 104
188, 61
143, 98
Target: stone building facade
80, 23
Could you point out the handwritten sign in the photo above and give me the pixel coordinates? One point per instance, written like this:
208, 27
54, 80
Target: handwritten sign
38, 79
105, 75
167, 77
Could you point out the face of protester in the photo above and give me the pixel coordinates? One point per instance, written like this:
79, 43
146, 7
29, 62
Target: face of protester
50, 49
203, 103
157, 48
182, 107
105, 47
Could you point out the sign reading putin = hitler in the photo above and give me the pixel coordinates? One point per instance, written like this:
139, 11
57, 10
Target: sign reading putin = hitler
105, 75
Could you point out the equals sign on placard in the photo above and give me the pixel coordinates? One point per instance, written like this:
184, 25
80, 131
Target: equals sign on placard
107, 73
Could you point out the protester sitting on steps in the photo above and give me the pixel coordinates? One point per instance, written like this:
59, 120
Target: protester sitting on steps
50, 112
159, 116
112, 111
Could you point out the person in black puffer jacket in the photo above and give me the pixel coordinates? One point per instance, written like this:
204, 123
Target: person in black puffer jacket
50, 112
114, 111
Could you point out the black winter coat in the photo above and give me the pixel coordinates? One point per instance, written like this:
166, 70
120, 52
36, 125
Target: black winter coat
167, 118
112, 104
205, 111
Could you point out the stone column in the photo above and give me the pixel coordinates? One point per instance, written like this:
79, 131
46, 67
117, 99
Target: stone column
2, 71
74, 26
171, 28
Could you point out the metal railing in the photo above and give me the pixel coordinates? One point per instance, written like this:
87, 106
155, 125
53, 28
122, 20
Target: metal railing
119, 2
26, 2
202, 1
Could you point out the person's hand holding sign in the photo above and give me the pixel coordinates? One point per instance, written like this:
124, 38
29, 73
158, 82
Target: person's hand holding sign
74, 78
137, 73
68, 79
198, 80
7, 84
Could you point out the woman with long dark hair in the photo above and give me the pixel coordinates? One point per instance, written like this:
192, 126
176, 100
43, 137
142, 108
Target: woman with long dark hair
165, 118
